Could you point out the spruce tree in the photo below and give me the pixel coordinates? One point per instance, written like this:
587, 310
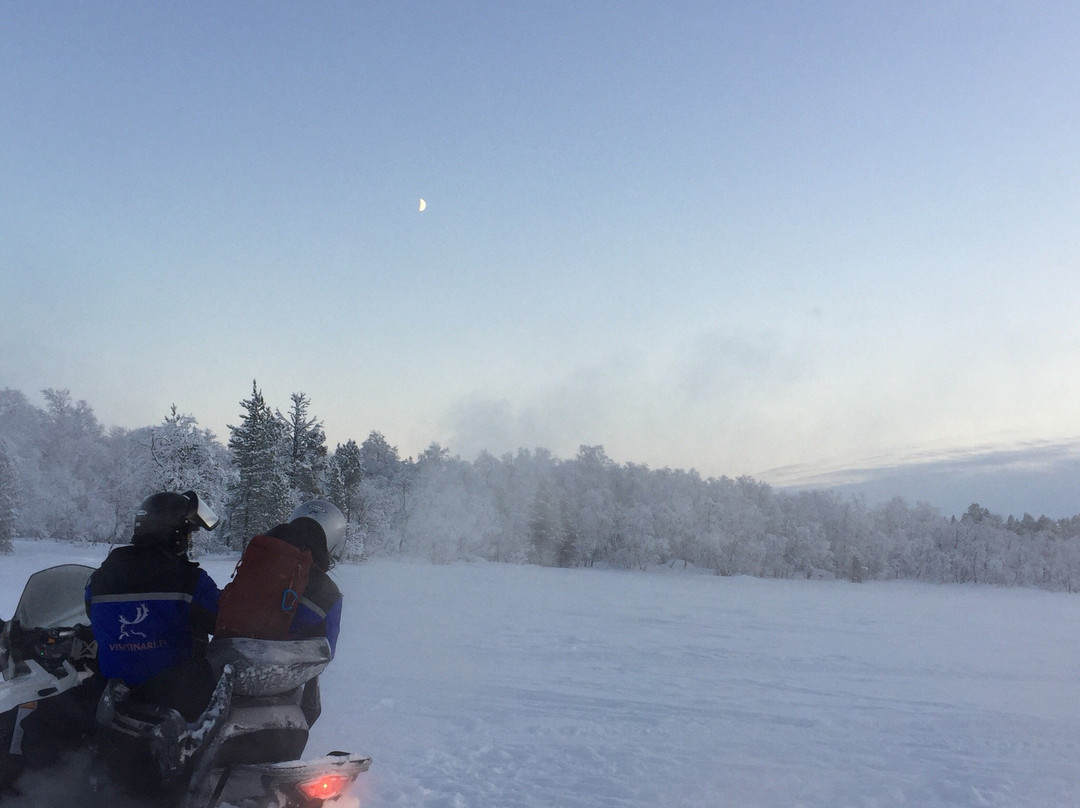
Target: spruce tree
259, 497
307, 450
348, 472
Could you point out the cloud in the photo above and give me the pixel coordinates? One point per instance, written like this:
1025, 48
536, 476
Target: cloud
730, 402
723, 366
705, 399
581, 407
479, 424
1040, 478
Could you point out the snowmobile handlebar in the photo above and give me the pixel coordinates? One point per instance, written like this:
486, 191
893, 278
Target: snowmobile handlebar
49, 646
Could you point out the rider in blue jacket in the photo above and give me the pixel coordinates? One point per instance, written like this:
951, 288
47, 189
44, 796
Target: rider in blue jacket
152, 609
317, 526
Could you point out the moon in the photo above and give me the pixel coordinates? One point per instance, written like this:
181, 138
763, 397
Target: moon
423, 205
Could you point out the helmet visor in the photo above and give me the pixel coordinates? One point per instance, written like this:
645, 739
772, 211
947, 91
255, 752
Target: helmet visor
201, 514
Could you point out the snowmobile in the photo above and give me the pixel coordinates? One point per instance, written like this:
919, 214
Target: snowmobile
241, 751
47, 654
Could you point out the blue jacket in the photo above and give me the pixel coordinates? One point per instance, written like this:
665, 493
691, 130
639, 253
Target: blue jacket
149, 611
319, 610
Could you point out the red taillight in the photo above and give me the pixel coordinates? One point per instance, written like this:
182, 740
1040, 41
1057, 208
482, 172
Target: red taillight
326, 787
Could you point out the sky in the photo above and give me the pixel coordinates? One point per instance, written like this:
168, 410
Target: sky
747, 238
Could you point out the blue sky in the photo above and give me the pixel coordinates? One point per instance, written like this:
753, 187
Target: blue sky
730, 236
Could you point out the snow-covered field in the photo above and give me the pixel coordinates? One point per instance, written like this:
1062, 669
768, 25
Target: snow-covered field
496, 686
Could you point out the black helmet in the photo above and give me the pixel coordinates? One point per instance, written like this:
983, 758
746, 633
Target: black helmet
167, 520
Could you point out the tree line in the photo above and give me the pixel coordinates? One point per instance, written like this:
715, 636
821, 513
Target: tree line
63, 475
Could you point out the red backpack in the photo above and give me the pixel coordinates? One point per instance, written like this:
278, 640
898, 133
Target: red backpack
266, 586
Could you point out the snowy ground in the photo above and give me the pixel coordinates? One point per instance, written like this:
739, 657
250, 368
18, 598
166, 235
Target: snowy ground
496, 686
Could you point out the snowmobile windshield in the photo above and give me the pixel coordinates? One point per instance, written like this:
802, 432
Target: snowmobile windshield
54, 597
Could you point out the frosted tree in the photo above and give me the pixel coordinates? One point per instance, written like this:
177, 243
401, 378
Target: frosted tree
259, 495
544, 529
806, 549
480, 527
307, 460
1064, 559
73, 463
592, 512
376, 516
510, 483
451, 517
732, 528
8, 502
346, 474
379, 459
183, 457
21, 425
641, 543
343, 477
413, 484
633, 539
382, 495
127, 480
75, 479
676, 495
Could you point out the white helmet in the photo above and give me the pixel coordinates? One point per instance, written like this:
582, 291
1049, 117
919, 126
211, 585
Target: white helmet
330, 519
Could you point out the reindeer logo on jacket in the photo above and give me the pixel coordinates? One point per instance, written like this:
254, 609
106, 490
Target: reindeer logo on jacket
126, 630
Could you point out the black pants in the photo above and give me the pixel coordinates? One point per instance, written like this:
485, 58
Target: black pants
311, 702
61, 724
186, 688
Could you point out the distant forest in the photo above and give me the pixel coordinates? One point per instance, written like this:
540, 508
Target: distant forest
63, 475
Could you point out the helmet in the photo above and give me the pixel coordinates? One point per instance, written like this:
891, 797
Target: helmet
167, 520
330, 519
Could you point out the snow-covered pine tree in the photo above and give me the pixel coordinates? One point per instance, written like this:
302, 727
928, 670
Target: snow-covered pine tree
307, 450
259, 495
8, 502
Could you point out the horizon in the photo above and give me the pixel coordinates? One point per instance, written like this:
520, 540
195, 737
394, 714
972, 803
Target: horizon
1038, 478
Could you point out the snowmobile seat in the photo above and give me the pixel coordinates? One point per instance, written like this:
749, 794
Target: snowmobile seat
269, 667
264, 746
